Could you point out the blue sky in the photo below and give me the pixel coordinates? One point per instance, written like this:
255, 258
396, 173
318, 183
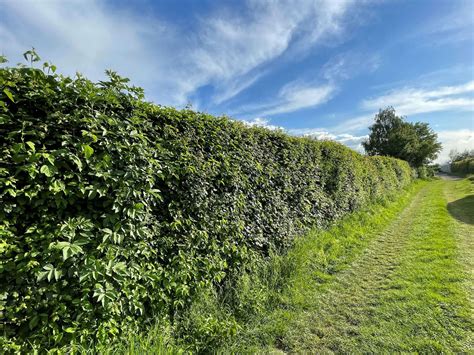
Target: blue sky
320, 68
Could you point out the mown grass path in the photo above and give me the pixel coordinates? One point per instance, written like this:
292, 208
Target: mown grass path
410, 290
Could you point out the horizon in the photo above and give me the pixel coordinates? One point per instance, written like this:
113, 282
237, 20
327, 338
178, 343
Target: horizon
318, 68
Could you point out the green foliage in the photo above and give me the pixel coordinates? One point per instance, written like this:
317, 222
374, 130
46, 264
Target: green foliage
462, 163
465, 166
426, 171
115, 211
264, 302
391, 136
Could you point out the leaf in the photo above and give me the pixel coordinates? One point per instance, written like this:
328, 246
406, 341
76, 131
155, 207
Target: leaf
48, 267
87, 150
33, 321
41, 275
65, 253
77, 161
31, 145
9, 94
46, 171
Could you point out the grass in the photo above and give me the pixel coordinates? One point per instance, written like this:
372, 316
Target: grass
406, 293
397, 277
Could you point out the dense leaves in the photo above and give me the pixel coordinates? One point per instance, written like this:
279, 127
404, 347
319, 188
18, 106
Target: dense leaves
114, 211
391, 136
462, 162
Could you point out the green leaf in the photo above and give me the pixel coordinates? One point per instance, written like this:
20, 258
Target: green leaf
31, 145
48, 267
46, 171
9, 94
41, 275
33, 321
87, 150
65, 253
78, 162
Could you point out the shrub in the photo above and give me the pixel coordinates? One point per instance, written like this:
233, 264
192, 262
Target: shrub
464, 166
115, 210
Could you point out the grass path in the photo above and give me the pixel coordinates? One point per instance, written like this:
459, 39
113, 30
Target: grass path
410, 290
460, 197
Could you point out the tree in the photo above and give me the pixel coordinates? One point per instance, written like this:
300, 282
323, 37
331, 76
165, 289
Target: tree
454, 155
391, 135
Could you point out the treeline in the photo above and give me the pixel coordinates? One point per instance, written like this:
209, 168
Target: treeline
115, 211
462, 162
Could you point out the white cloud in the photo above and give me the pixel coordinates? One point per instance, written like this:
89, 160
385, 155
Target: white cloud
352, 141
89, 37
415, 100
294, 96
226, 50
235, 86
350, 64
261, 122
354, 124
321, 86
459, 140
234, 50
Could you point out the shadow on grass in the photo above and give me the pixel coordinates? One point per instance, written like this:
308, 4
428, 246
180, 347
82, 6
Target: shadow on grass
463, 209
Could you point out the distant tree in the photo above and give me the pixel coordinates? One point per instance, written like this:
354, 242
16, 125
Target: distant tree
391, 135
454, 155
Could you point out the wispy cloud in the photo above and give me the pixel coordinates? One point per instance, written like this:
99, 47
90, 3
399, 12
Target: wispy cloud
226, 50
89, 36
415, 100
235, 51
294, 96
452, 27
349, 64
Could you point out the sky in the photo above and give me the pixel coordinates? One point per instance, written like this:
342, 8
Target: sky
311, 67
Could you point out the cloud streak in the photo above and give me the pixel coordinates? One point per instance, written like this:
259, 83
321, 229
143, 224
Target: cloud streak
414, 100
296, 96
226, 50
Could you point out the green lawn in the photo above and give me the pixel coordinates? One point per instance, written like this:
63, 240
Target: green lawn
397, 277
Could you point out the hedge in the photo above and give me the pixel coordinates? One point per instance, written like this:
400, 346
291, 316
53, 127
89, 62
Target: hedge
465, 166
114, 210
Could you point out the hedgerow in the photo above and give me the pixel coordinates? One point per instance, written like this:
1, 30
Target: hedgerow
115, 211
464, 166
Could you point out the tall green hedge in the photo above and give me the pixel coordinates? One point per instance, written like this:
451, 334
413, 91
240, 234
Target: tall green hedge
114, 210
464, 166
